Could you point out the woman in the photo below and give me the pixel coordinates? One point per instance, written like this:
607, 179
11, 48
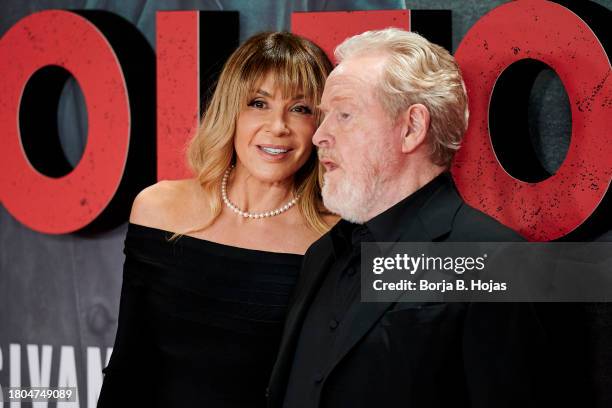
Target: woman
211, 261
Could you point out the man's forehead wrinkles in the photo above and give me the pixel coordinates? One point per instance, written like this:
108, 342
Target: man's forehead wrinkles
344, 84
341, 93
329, 102
347, 78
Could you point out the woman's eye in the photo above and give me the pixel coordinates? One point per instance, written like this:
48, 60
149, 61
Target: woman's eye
302, 109
257, 103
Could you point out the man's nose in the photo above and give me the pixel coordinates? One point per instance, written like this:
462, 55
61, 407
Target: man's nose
322, 137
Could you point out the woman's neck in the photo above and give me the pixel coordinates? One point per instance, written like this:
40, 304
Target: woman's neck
254, 195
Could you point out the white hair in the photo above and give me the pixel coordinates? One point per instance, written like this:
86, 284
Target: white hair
417, 71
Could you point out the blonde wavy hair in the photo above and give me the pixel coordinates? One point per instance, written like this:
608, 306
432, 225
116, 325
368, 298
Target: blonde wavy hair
299, 66
417, 71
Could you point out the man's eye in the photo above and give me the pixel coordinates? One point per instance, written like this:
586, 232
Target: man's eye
257, 103
302, 109
344, 115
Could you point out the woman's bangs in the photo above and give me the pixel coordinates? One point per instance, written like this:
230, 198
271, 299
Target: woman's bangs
294, 79
291, 76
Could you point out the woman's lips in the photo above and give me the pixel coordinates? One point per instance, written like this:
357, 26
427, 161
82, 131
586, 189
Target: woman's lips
274, 152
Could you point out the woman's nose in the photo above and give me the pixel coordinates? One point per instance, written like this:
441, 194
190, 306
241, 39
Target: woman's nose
278, 124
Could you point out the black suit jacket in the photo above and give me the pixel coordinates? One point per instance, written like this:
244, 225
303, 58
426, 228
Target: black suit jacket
487, 355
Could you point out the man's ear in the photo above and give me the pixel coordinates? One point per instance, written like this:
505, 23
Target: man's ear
416, 125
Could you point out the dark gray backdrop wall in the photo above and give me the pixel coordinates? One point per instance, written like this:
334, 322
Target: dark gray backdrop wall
59, 294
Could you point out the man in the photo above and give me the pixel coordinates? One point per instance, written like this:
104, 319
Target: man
395, 110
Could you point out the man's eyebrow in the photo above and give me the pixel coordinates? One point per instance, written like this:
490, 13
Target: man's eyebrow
340, 98
334, 99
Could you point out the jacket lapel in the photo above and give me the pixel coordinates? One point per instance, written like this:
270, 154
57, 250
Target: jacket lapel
438, 213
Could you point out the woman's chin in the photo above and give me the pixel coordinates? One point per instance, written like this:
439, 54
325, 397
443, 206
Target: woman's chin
271, 175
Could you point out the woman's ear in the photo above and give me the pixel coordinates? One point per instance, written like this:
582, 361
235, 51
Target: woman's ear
416, 125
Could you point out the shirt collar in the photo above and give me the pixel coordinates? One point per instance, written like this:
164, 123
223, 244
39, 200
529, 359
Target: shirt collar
342, 235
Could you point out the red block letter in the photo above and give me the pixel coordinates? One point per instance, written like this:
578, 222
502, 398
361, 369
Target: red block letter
553, 34
328, 29
68, 203
191, 49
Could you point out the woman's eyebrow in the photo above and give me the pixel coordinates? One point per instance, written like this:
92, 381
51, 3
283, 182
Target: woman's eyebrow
267, 94
264, 93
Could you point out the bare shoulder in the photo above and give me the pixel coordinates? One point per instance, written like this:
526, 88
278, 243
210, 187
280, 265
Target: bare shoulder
164, 204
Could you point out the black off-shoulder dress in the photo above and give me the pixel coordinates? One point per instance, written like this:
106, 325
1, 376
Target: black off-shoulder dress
199, 322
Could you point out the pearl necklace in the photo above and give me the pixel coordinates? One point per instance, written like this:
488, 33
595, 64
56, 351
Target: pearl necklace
247, 214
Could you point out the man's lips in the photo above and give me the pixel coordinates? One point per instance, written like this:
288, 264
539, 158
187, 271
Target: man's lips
328, 164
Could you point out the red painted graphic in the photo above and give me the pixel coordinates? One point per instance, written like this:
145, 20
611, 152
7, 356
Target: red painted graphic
553, 34
68, 203
525, 29
329, 29
178, 85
